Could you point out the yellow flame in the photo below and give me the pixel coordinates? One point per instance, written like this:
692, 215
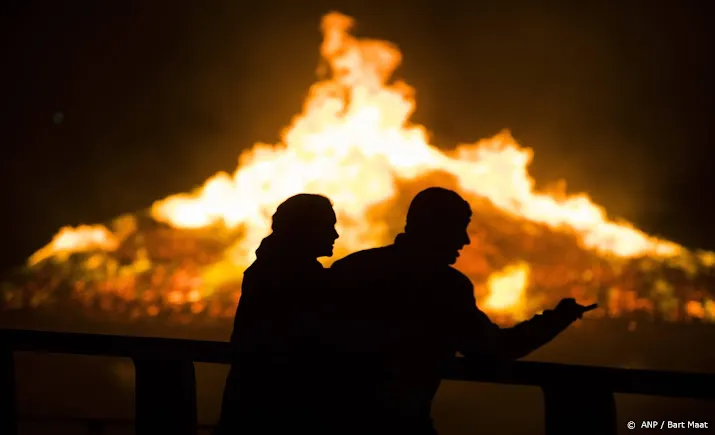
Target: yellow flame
70, 240
353, 141
507, 287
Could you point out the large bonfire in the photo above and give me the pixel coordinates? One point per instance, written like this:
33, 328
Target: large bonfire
183, 259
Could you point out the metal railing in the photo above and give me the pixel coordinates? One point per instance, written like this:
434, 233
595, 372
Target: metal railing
166, 384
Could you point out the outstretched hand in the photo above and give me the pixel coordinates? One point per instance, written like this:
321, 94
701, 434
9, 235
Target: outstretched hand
570, 308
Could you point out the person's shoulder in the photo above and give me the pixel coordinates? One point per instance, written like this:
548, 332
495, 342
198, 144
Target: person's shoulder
459, 280
362, 257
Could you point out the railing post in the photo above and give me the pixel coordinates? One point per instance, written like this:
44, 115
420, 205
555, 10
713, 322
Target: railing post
8, 392
582, 409
165, 399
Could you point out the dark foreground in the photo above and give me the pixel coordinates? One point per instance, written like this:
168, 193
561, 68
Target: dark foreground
66, 387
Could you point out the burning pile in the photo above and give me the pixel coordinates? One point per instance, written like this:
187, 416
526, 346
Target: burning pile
354, 143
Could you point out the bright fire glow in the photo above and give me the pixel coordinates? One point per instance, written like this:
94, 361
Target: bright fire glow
354, 142
354, 139
70, 240
506, 289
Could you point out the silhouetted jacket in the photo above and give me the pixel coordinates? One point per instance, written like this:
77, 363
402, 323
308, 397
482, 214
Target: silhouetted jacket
276, 312
275, 375
407, 318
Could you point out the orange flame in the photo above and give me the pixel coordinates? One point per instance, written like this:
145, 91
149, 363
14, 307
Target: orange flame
70, 240
354, 142
506, 289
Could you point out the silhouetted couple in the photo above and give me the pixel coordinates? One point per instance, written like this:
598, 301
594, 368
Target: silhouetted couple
360, 348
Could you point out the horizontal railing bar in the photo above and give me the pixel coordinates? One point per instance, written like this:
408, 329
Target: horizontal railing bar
618, 380
120, 346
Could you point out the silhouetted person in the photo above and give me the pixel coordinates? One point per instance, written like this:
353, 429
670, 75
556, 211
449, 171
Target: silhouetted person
409, 312
274, 383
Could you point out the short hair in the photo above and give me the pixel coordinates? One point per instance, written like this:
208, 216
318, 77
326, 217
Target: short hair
299, 211
436, 206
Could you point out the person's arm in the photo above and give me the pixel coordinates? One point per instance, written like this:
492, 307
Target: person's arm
478, 336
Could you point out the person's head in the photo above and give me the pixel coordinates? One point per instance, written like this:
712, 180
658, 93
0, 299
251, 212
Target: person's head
308, 221
438, 219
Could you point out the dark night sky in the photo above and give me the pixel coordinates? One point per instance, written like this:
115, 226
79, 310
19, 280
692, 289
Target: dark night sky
615, 97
